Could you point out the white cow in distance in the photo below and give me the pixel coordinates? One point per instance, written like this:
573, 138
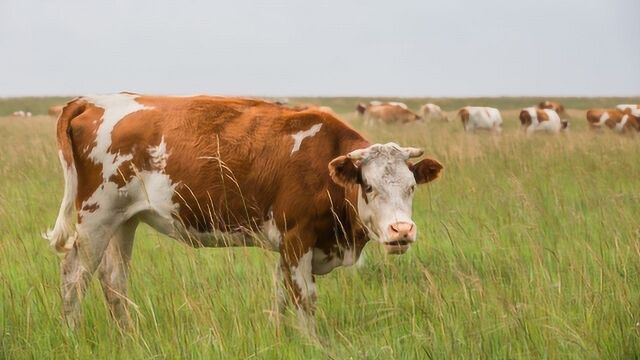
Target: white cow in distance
480, 118
432, 112
535, 119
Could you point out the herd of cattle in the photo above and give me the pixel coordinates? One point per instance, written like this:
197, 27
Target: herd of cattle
219, 172
547, 116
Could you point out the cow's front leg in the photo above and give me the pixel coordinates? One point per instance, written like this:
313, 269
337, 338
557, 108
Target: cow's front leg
298, 280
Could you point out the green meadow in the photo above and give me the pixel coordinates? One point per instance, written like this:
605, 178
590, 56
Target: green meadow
528, 247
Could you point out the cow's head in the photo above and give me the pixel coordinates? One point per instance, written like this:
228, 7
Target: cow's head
525, 118
361, 108
386, 183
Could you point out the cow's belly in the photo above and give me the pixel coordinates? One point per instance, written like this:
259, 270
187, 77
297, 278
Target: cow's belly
149, 197
323, 263
481, 122
267, 237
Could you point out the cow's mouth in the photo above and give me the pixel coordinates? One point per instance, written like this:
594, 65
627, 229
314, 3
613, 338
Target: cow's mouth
397, 247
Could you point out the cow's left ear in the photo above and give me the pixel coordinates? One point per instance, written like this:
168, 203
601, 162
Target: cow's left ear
343, 171
425, 170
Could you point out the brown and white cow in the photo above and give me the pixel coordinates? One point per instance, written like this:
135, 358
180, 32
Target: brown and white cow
635, 108
387, 113
218, 172
614, 119
432, 112
21, 113
55, 110
480, 118
555, 106
301, 107
533, 119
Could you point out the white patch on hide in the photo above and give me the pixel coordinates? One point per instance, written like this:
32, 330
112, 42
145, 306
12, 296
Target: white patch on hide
301, 135
302, 275
116, 107
159, 155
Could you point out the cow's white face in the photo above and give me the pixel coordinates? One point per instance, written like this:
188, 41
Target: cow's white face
386, 184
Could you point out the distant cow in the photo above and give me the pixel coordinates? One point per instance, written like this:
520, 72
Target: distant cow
386, 113
555, 106
533, 119
395, 103
220, 172
617, 120
302, 107
482, 118
432, 112
635, 108
55, 110
21, 113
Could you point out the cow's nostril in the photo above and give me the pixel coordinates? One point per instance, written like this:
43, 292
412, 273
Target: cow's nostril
394, 228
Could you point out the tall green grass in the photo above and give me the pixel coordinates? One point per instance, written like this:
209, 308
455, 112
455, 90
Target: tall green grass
528, 248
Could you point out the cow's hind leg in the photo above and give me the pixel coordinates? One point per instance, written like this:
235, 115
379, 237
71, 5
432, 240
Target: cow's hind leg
114, 269
78, 267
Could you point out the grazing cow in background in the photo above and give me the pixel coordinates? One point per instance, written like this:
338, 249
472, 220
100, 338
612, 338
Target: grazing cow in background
395, 103
555, 106
432, 112
635, 108
21, 113
302, 107
386, 113
614, 119
482, 118
219, 172
534, 119
55, 110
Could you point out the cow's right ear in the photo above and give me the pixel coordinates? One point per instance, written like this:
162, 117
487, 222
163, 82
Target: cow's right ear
343, 171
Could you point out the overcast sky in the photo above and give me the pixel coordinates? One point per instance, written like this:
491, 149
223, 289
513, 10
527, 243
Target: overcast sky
288, 48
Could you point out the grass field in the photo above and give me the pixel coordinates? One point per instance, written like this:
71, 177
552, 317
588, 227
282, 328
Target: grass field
528, 248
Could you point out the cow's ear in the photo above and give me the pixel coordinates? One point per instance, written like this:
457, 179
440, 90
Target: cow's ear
343, 171
425, 170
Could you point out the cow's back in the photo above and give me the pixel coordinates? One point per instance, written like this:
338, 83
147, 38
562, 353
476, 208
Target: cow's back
228, 163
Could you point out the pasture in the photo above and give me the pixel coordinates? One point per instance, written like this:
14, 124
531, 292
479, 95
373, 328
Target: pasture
527, 248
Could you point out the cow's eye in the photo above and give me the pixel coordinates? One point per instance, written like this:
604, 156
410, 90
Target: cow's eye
412, 189
368, 188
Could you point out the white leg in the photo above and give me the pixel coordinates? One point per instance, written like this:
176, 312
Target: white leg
299, 280
113, 272
77, 268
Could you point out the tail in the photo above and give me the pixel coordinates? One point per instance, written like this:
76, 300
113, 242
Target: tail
464, 116
61, 237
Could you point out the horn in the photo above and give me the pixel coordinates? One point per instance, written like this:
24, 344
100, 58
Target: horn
412, 152
358, 154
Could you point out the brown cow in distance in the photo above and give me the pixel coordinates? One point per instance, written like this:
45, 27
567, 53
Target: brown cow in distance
387, 113
555, 106
219, 172
55, 110
614, 119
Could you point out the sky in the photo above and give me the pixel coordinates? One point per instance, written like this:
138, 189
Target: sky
321, 48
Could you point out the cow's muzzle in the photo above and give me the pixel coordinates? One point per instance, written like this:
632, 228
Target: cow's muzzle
400, 236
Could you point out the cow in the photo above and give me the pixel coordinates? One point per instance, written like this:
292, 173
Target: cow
555, 106
615, 119
55, 110
483, 118
386, 113
220, 172
302, 107
432, 112
635, 108
21, 113
534, 119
